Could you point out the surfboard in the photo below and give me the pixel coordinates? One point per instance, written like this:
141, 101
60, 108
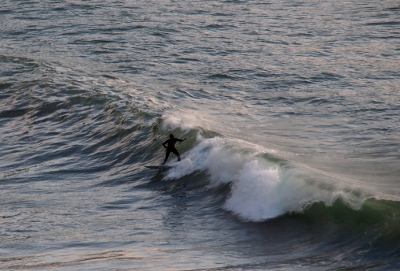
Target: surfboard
158, 167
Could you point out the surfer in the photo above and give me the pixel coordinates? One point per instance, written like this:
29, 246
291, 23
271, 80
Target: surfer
171, 147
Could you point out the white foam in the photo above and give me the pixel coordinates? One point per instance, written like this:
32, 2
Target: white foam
253, 194
263, 191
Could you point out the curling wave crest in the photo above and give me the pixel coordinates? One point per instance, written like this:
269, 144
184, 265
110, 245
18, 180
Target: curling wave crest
262, 186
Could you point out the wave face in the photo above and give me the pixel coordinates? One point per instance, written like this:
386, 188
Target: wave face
262, 184
290, 111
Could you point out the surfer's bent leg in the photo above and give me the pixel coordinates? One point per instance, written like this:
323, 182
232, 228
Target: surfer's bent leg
175, 151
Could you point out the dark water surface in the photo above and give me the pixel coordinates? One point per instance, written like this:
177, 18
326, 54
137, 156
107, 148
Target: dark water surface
291, 110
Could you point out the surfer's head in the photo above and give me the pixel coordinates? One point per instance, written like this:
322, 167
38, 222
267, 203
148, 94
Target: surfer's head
171, 136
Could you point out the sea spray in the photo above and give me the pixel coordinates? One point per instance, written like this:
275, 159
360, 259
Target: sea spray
185, 121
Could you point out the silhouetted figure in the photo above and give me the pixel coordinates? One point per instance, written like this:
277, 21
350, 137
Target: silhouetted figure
171, 147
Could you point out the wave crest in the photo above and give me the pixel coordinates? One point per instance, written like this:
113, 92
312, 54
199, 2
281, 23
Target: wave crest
262, 185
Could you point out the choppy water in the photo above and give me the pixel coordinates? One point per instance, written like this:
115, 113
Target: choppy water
291, 111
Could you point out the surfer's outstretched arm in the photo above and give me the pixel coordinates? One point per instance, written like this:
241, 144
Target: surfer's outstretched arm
180, 140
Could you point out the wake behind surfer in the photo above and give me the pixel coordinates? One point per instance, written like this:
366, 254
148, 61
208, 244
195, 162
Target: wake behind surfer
169, 144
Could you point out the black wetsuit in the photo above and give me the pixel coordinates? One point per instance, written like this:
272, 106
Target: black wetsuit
171, 148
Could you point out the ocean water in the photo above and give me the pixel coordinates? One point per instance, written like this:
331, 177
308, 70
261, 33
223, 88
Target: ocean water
291, 113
